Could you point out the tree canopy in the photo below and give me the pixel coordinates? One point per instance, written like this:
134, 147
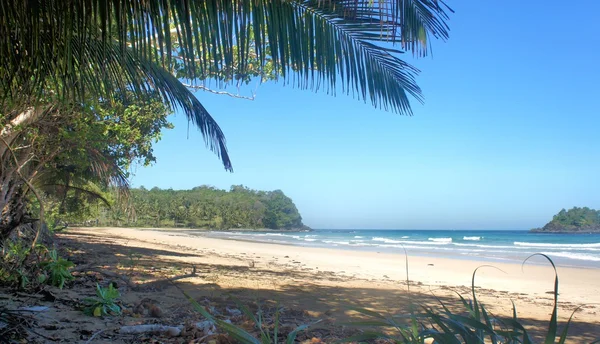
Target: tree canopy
573, 220
205, 207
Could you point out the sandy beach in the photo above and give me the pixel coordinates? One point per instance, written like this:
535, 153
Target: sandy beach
326, 282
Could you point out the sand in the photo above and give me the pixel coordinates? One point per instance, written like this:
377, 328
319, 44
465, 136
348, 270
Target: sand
326, 282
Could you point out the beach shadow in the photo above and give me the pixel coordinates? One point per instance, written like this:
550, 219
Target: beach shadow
314, 294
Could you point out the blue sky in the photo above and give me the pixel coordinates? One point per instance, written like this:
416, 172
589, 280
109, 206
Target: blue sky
507, 137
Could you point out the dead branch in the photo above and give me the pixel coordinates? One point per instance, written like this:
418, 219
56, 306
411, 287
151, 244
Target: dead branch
173, 331
210, 90
93, 336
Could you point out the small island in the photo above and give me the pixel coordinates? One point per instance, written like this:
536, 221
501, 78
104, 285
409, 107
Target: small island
575, 220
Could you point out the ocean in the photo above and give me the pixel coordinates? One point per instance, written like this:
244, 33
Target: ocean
579, 250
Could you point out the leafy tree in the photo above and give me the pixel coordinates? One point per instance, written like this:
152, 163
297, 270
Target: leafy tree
208, 207
70, 161
573, 220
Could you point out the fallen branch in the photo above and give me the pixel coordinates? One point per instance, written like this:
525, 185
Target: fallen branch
93, 336
173, 331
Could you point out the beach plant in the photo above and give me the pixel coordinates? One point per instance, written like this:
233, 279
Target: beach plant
21, 265
475, 325
104, 303
57, 269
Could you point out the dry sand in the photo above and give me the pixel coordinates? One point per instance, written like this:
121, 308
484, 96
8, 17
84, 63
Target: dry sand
326, 282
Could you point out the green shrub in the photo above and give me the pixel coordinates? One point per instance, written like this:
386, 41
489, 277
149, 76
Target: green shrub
104, 302
57, 270
19, 266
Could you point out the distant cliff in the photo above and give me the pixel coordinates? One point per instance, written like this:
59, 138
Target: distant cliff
575, 220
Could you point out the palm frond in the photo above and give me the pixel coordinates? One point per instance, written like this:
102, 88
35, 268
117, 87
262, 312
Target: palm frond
74, 47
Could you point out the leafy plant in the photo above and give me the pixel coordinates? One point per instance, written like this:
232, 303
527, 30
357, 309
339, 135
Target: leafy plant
58, 269
240, 335
15, 250
104, 302
19, 264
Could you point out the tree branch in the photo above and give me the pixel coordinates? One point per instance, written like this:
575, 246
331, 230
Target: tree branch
210, 90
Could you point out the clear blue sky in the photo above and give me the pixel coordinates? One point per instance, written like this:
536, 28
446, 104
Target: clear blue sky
509, 133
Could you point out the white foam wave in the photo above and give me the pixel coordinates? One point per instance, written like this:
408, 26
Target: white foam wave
573, 255
309, 239
386, 240
433, 241
472, 238
358, 237
536, 244
488, 246
405, 237
444, 240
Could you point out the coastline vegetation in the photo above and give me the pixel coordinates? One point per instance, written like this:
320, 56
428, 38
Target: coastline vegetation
206, 207
574, 220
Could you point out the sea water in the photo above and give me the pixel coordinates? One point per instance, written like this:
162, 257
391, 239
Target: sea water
579, 250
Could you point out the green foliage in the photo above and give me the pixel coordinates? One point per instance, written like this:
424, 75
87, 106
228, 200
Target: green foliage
16, 266
58, 269
104, 302
578, 217
23, 268
89, 153
208, 207
473, 325
132, 45
574, 220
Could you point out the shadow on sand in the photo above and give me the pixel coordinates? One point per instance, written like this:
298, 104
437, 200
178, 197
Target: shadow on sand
319, 295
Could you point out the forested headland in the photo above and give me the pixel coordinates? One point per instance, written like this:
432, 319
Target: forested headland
205, 207
575, 220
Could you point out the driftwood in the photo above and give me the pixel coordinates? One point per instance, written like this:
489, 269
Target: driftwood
173, 331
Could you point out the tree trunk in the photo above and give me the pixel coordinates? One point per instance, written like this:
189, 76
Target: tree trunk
12, 207
12, 183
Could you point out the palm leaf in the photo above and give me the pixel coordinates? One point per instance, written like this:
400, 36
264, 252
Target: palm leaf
97, 46
553, 324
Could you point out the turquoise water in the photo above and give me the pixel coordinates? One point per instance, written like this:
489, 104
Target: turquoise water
582, 250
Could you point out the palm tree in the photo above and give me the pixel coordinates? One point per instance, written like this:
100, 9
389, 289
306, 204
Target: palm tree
64, 51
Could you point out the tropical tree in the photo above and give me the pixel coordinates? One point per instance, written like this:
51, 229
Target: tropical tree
57, 54
67, 161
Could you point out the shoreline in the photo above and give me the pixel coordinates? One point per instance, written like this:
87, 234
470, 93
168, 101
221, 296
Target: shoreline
558, 261
539, 267
517, 256
361, 275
